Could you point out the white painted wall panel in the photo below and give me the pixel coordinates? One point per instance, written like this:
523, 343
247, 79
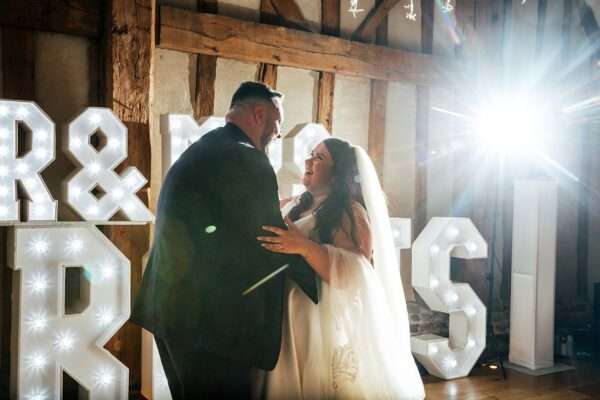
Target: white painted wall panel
351, 109
230, 74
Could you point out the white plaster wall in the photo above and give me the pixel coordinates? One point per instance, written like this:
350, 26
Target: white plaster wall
230, 74
351, 99
399, 166
403, 33
444, 37
399, 152
348, 23
170, 93
298, 87
311, 9
62, 90
440, 166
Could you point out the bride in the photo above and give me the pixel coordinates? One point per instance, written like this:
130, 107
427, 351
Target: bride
355, 344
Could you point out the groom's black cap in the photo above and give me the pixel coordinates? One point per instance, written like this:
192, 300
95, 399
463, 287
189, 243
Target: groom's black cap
254, 90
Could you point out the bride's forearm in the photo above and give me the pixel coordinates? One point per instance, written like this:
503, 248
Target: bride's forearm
318, 257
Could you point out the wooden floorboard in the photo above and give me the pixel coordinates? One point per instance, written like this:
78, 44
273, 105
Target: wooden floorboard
583, 383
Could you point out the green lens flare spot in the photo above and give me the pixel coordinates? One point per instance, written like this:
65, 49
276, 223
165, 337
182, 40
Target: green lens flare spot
210, 229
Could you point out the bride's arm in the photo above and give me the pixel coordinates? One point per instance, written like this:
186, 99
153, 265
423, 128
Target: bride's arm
283, 202
293, 241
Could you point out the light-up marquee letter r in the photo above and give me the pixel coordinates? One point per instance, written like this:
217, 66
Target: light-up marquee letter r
27, 168
52, 338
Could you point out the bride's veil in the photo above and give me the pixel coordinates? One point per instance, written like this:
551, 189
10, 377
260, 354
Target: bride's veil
387, 266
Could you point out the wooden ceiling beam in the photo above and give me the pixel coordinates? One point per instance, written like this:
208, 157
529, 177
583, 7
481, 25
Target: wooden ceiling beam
193, 32
284, 13
73, 17
366, 30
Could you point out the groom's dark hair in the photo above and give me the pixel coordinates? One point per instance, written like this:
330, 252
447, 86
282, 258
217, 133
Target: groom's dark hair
254, 90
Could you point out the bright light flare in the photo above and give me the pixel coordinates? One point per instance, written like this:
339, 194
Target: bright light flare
510, 124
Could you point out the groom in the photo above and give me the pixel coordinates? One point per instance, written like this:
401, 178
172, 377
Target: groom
212, 205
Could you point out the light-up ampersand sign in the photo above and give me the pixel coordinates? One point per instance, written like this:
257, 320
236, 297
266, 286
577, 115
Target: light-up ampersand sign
98, 169
27, 168
442, 238
57, 335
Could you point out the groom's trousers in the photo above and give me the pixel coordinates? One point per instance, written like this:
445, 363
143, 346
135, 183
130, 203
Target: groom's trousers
197, 374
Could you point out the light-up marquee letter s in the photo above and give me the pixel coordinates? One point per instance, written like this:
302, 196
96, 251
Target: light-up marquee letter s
442, 238
57, 334
97, 169
27, 168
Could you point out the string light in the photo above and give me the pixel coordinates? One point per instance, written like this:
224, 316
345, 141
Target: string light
354, 10
447, 6
411, 14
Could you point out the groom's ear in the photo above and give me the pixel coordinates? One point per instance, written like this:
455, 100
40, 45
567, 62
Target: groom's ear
260, 114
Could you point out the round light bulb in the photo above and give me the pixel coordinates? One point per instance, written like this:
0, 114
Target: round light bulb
433, 350
94, 168
452, 232
471, 247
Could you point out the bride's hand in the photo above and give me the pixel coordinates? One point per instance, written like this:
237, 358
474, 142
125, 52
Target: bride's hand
291, 241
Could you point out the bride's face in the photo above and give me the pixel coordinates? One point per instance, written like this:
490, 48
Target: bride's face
318, 169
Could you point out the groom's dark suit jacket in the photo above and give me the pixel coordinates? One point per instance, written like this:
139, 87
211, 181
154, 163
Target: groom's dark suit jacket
212, 205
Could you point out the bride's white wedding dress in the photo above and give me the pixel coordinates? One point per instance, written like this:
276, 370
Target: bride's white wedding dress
355, 344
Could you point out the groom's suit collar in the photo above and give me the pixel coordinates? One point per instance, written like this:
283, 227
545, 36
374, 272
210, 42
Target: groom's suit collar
238, 134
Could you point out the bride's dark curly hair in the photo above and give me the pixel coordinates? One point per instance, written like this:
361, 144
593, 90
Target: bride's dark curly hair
344, 188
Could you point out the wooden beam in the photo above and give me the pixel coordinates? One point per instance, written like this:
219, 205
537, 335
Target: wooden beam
18, 66
267, 73
330, 17
330, 25
377, 112
284, 13
366, 30
422, 134
590, 26
129, 36
206, 74
204, 95
221, 36
325, 100
74, 17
